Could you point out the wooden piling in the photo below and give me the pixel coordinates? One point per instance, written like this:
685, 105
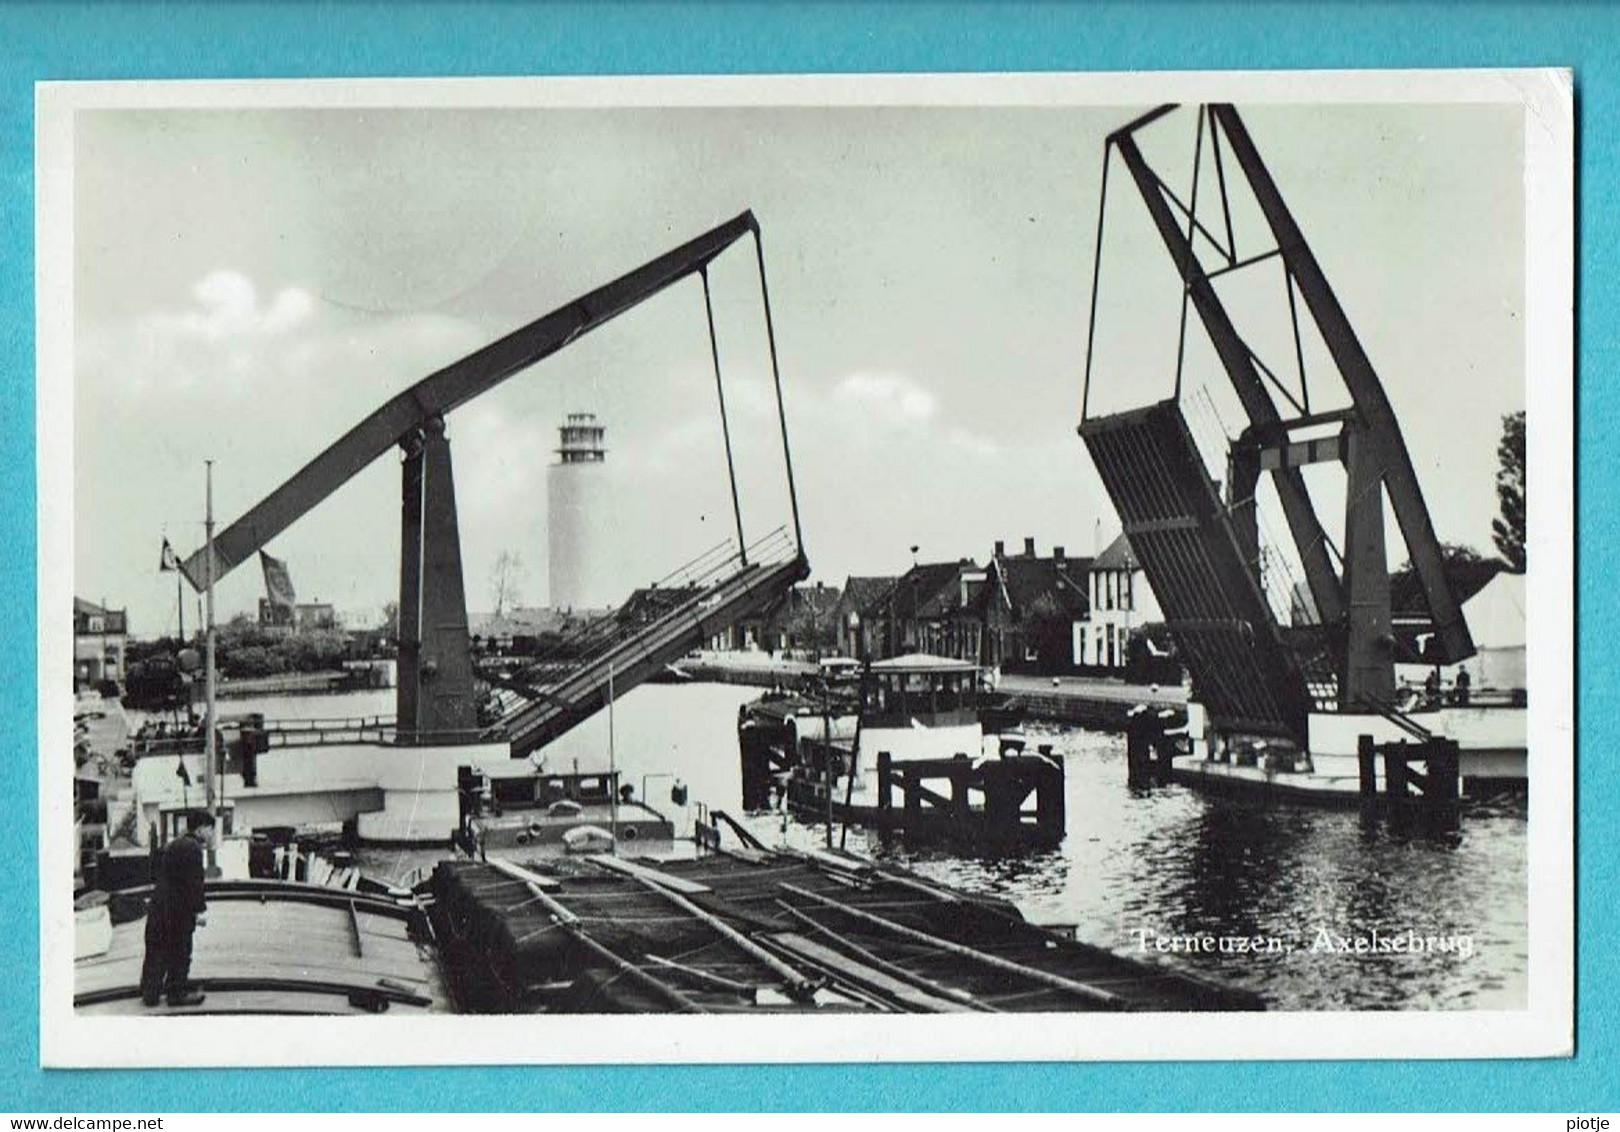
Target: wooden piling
1050, 803
1367, 757
1136, 754
1444, 768
1395, 786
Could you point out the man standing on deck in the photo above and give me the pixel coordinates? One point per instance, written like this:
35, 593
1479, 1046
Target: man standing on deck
176, 910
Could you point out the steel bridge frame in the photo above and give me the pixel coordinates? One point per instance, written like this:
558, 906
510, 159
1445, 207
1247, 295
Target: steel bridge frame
435, 688
1353, 606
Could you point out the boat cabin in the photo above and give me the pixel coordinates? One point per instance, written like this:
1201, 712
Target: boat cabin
931, 690
519, 807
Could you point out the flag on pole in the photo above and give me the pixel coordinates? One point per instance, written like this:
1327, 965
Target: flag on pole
278, 585
170, 561
181, 772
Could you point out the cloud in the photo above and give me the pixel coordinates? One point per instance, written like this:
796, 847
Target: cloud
893, 396
227, 307
277, 377
226, 331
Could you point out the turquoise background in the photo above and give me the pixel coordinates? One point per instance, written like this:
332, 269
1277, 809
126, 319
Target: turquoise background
159, 41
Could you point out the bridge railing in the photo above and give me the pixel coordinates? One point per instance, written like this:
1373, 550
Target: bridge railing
685, 583
643, 649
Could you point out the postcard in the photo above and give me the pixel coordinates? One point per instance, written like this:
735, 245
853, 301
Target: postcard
806, 568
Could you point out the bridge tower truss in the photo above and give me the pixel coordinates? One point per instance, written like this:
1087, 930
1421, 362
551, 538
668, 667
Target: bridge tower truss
1202, 554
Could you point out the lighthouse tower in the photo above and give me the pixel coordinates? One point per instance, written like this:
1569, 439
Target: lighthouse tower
579, 504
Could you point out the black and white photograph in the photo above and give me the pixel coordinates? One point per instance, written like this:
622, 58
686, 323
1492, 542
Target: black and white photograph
550, 557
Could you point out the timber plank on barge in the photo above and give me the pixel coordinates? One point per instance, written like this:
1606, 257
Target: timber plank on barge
757, 931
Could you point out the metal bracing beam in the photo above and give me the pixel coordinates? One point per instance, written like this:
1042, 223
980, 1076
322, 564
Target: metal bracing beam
1299, 453
455, 384
1238, 362
1382, 432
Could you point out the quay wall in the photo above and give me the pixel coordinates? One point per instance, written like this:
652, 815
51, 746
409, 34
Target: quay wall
1091, 702
751, 670
1079, 710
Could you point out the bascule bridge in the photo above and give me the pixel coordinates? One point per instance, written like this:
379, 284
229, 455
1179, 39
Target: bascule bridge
1197, 530
436, 700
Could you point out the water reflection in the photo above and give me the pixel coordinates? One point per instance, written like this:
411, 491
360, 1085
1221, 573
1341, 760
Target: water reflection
1166, 861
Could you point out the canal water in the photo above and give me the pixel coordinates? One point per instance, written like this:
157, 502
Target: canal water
1321, 899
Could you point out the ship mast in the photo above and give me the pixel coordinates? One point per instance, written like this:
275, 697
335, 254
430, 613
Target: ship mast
210, 754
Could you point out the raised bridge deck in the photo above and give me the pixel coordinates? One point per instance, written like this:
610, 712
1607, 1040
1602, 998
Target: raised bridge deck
1243, 672
633, 650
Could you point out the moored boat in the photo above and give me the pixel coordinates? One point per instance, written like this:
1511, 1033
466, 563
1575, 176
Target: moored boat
918, 748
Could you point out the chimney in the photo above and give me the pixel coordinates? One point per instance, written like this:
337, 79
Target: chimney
1029, 547
1001, 549
1057, 552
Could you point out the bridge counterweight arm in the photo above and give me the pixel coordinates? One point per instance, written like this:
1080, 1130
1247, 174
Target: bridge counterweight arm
452, 386
1382, 429
1235, 359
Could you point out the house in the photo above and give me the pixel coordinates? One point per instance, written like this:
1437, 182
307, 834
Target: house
652, 603
1410, 620
526, 629
316, 615
863, 597
100, 636
749, 633
935, 608
805, 620
1120, 601
1036, 614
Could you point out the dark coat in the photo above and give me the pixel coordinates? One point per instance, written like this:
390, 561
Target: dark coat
177, 884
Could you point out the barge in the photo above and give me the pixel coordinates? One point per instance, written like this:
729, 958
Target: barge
756, 931
269, 947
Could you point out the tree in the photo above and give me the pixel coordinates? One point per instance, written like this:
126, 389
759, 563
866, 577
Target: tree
505, 582
1508, 529
1458, 562
390, 619
1453, 555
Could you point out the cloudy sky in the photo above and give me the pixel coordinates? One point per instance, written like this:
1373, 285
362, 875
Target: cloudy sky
249, 283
